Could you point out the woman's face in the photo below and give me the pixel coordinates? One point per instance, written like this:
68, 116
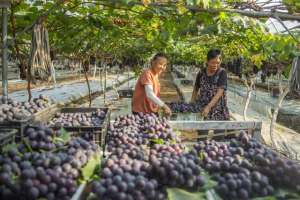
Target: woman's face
214, 63
159, 65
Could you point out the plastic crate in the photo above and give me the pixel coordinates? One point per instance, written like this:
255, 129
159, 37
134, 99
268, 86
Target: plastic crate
126, 93
99, 132
7, 136
19, 125
187, 82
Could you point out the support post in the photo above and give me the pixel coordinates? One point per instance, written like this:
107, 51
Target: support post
95, 69
105, 77
128, 76
4, 55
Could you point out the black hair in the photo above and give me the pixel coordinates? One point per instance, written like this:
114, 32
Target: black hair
159, 55
213, 53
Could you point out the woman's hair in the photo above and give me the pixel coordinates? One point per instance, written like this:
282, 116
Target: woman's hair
159, 55
213, 53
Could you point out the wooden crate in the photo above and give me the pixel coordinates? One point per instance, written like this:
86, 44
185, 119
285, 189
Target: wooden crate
223, 128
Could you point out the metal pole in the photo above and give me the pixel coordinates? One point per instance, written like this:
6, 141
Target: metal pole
105, 76
4, 54
128, 76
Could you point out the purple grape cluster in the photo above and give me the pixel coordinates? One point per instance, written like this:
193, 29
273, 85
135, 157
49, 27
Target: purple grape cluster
40, 138
44, 174
281, 171
180, 107
174, 168
244, 168
94, 118
125, 178
136, 168
13, 110
138, 130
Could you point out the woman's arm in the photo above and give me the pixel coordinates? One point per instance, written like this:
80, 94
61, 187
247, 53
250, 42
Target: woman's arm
150, 95
213, 102
216, 98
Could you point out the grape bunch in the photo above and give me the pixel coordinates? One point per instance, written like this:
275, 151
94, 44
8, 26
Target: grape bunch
281, 171
138, 130
243, 184
133, 152
43, 177
44, 174
40, 138
13, 110
178, 107
160, 150
89, 136
125, 138
236, 176
125, 178
235, 66
94, 118
174, 168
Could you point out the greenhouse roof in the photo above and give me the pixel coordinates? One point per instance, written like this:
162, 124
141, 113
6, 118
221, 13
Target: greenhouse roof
273, 24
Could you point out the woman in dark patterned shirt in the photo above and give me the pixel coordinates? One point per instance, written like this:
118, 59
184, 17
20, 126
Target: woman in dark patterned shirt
210, 88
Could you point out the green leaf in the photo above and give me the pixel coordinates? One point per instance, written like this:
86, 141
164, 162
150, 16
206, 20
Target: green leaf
181, 9
157, 141
26, 142
64, 136
201, 155
8, 147
92, 196
205, 3
209, 183
265, 198
222, 16
212, 195
22, 13
88, 170
180, 194
190, 2
286, 194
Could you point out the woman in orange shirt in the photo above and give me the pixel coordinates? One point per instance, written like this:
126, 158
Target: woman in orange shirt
147, 89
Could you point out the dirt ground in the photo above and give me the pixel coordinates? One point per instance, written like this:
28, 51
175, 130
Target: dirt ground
168, 90
22, 84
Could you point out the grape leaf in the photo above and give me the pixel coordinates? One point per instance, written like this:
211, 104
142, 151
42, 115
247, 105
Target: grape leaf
92, 196
157, 141
8, 147
26, 142
265, 198
209, 183
180, 194
286, 194
88, 170
64, 136
212, 195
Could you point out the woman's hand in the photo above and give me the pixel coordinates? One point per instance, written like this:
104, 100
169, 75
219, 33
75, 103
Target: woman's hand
206, 111
167, 110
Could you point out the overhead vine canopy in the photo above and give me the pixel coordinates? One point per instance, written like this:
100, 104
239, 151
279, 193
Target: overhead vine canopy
185, 29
